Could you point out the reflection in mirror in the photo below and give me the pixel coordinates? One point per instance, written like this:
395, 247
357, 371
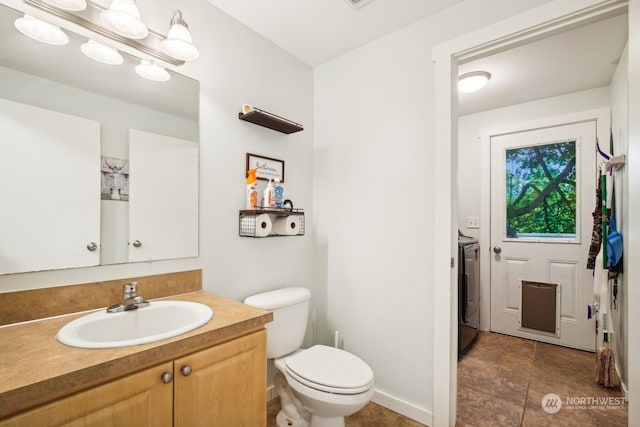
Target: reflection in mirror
59, 84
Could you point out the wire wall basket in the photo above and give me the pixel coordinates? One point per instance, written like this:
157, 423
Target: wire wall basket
271, 223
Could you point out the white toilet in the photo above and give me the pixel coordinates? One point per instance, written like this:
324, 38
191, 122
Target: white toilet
323, 384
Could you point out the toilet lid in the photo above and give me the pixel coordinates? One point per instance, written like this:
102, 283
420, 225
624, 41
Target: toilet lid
330, 369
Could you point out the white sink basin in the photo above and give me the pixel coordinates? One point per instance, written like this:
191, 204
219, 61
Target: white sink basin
159, 321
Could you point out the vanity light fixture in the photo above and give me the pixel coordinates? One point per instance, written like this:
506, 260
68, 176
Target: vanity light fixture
178, 43
101, 53
41, 31
71, 5
152, 71
121, 23
123, 18
474, 81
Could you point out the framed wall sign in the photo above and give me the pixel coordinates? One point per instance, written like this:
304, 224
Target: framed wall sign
266, 167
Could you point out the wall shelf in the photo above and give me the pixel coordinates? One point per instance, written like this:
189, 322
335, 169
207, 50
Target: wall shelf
271, 121
271, 222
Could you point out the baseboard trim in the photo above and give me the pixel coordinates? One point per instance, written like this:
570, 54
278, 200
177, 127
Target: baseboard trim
402, 407
272, 394
623, 385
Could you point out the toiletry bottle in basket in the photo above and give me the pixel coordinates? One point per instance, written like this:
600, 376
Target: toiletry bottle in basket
279, 194
269, 200
252, 189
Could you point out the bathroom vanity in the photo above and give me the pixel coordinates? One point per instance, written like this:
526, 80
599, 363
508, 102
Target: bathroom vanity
217, 371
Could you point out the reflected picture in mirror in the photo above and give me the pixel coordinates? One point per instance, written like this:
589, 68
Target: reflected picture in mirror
51, 84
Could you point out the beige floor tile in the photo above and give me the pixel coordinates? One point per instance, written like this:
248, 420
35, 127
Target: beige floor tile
372, 415
480, 409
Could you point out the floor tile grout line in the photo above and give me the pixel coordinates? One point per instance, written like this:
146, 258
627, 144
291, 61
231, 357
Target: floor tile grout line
526, 395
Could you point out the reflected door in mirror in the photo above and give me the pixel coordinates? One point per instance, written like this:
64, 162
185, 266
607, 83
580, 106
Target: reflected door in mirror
163, 206
50, 216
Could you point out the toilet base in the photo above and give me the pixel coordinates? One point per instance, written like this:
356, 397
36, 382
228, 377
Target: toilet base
283, 421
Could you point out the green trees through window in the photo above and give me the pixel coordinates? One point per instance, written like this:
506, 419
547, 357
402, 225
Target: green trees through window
541, 190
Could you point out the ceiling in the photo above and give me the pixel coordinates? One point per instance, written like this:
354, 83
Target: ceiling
576, 60
316, 31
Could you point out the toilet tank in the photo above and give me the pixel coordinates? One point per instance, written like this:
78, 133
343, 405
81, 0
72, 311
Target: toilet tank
290, 307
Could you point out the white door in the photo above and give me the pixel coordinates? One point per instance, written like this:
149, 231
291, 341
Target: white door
50, 183
542, 197
163, 197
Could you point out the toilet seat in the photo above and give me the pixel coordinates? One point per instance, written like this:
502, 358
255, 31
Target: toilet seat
330, 370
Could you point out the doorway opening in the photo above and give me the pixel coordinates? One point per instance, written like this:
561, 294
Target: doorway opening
537, 24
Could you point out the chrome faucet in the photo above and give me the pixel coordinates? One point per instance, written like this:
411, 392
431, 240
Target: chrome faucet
130, 299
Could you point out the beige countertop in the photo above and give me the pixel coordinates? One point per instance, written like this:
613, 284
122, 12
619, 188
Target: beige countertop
35, 368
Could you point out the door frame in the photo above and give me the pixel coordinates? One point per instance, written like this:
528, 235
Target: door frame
534, 24
601, 116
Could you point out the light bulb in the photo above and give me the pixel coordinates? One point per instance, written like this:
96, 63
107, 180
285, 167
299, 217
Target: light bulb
178, 43
123, 17
101, 53
41, 31
151, 71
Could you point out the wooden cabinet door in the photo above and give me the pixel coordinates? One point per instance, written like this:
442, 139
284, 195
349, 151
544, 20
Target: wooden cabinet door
226, 385
140, 399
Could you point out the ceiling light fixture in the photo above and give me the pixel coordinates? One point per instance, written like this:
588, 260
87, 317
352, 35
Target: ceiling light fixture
474, 81
152, 71
102, 53
71, 5
123, 17
41, 31
178, 43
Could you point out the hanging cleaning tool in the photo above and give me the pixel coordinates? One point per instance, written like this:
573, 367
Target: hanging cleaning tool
605, 373
605, 223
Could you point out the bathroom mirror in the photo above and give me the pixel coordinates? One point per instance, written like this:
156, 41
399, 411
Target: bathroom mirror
109, 107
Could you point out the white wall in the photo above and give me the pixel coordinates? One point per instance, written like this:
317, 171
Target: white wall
620, 127
373, 191
469, 155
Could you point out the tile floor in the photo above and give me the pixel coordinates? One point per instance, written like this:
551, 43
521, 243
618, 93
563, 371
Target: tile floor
501, 382
372, 415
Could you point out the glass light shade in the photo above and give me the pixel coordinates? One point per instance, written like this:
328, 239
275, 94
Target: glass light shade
41, 31
151, 71
72, 5
179, 44
102, 53
123, 17
471, 82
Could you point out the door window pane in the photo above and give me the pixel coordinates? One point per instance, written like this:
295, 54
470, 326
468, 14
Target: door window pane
541, 191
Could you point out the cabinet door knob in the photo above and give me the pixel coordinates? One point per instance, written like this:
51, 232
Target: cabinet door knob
137, 243
92, 246
497, 249
166, 377
186, 370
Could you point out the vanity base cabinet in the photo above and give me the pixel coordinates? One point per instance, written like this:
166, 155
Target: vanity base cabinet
224, 385
139, 399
